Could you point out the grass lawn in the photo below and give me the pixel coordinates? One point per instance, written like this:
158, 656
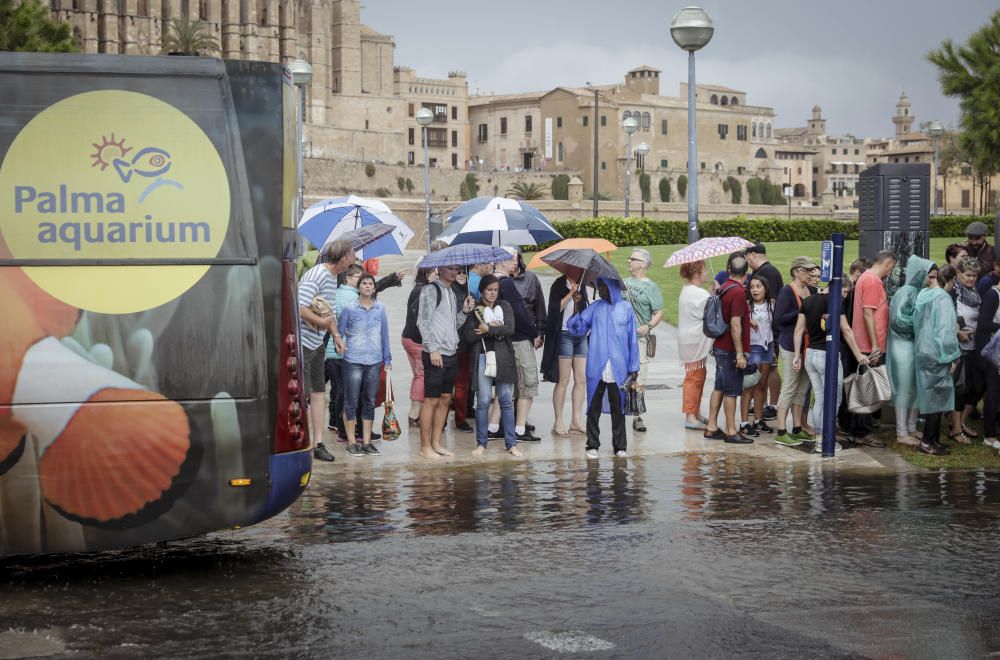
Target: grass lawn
970, 457
780, 254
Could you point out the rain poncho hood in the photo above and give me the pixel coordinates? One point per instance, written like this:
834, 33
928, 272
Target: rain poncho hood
935, 326
612, 336
902, 368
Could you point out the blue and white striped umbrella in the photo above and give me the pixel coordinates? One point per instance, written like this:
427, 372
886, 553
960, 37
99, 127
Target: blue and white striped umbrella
498, 221
326, 221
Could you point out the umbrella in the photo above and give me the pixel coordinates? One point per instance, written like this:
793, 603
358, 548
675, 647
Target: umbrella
325, 221
498, 221
583, 266
595, 244
464, 254
365, 236
707, 248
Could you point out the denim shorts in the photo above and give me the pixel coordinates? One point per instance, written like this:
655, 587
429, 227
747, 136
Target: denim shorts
760, 355
728, 379
572, 346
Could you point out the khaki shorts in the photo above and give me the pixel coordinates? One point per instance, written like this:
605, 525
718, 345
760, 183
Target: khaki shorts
527, 369
794, 384
643, 362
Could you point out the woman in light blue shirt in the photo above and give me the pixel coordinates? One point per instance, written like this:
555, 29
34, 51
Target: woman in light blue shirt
365, 329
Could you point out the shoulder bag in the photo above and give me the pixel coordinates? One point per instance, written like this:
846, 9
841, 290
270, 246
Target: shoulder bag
490, 370
650, 337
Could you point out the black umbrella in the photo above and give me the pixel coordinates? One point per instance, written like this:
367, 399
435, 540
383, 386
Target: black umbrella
582, 266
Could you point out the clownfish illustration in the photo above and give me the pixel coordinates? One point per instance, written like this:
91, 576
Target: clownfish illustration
150, 162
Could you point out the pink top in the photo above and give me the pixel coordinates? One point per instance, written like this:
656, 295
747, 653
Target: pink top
869, 293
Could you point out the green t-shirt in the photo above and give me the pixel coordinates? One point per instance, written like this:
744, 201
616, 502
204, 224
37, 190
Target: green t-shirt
646, 298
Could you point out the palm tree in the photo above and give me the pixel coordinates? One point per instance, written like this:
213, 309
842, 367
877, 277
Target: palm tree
189, 37
527, 191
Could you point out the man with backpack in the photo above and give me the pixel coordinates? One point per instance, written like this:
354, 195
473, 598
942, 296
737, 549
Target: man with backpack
727, 319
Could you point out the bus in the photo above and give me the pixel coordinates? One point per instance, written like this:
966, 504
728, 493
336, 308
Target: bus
150, 378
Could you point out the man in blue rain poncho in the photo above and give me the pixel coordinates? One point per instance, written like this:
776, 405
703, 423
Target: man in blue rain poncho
935, 328
902, 367
612, 361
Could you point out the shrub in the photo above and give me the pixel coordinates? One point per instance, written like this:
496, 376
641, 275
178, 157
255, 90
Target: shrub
401, 183
469, 187
753, 190
682, 185
527, 191
644, 187
370, 169
735, 189
383, 192
560, 186
409, 185
664, 189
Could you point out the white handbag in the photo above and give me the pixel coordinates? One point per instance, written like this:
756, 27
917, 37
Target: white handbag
490, 371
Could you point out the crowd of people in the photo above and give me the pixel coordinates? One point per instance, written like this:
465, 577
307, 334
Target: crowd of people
472, 336
931, 336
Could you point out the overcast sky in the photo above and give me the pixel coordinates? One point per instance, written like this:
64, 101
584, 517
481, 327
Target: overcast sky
852, 57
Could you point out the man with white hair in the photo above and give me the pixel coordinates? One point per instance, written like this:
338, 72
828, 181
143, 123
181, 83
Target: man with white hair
647, 301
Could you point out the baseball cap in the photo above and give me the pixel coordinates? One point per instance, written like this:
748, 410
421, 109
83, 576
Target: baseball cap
756, 248
721, 277
976, 229
802, 262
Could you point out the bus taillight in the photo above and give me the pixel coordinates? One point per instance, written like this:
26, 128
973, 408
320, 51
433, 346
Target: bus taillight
291, 433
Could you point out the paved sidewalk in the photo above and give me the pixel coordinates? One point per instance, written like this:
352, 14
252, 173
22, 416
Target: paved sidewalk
664, 420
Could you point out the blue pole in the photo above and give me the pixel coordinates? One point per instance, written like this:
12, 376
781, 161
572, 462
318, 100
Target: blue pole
832, 383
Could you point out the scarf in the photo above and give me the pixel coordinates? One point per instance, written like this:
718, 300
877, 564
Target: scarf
968, 296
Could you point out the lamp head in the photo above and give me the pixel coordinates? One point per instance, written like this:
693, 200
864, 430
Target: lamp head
630, 125
692, 28
424, 116
642, 149
301, 71
935, 129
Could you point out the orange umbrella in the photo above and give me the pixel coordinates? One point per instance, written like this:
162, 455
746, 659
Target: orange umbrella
595, 244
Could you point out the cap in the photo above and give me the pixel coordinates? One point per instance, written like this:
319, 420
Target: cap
512, 251
756, 248
721, 277
976, 229
802, 262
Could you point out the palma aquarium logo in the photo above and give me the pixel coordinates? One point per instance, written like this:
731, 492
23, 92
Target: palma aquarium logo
113, 178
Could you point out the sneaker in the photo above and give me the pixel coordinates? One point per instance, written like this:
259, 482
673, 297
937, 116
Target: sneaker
638, 425
621, 453
331, 426
769, 413
370, 450
321, 453
802, 436
717, 434
992, 442
527, 437
591, 453
529, 428
464, 427
739, 439
763, 427
375, 436
749, 430
495, 435
787, 440
341, 437
355, 450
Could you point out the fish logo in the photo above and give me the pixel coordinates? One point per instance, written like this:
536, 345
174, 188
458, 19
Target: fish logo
149, 162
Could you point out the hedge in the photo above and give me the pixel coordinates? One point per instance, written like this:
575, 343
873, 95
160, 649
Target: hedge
643, 231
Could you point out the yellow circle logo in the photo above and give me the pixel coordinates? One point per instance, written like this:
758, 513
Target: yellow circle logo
113, 175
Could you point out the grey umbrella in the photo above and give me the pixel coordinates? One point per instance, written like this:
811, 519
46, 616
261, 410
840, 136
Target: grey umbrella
582, 266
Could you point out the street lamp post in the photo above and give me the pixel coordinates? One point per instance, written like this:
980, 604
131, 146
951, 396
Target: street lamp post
692, 29
641, 150
935, 130
630, 126
424, 118
302, 74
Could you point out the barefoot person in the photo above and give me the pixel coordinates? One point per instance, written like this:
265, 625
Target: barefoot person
488, 330
438, 320
565, 356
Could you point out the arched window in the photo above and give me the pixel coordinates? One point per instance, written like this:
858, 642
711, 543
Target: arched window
718, 166
725, 100
714, 100
760, 153
734, 101
769, 131
626, 114
645, 121
754, 129
800, 190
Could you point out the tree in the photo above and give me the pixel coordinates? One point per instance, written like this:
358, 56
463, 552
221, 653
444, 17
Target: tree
735, 189
664, 189
469, 187
682, 185
972, 74
28, 28
527, 191
644, 186
753, 190
189, 36
560, 186
409, 185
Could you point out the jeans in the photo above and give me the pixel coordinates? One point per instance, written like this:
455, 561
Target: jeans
816, 370
361, 382
505, 394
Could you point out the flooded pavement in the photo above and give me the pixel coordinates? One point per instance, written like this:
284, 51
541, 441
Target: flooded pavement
697, 555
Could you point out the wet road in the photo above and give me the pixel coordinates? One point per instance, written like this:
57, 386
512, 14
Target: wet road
684, 556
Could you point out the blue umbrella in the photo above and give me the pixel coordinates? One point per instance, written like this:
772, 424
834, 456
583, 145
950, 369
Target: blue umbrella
326, 221
498, 221
465, 254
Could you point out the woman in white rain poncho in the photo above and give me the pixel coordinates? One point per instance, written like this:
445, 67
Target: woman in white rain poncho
935, 327
902, 369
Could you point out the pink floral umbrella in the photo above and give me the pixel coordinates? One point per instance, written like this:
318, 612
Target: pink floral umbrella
707, 248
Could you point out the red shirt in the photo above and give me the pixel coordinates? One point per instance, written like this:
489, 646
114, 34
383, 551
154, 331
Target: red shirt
869, 293
734, 304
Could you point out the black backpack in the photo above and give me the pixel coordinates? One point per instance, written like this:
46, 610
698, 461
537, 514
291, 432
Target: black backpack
714, 323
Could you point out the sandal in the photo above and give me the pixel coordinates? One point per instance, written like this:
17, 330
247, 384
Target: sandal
969, 432
960, 438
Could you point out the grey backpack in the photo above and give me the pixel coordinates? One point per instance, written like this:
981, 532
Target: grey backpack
714, 323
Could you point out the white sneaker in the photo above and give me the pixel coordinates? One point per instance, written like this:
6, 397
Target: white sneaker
591, 453
621, 453
992, 442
